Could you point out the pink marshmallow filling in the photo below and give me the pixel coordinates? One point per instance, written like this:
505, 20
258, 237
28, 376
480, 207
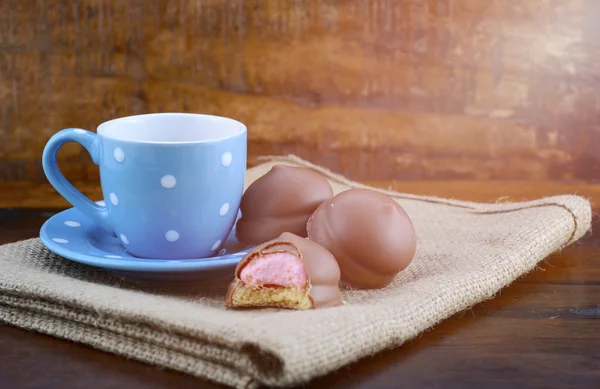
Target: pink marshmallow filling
275, 269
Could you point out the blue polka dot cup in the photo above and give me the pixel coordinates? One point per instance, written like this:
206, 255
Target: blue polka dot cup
172, 182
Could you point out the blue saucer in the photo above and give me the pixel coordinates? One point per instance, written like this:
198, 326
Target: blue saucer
73, 236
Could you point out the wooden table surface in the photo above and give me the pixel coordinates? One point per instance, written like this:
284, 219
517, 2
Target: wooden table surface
543, 331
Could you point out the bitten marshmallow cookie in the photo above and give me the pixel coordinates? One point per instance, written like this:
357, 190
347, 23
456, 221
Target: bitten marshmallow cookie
280, 201
286, 272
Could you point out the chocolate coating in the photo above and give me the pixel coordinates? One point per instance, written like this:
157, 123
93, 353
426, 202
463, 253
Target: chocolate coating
280, 201
322, 284
369, 234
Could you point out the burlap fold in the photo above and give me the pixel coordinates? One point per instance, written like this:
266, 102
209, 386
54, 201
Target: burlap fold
466, 252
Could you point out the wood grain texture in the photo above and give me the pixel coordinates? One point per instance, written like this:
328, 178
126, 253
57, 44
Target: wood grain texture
542, 331
375, 89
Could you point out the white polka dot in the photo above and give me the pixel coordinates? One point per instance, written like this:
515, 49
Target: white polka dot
80, 131
113, 256
224, 209
168, 181
114, 199
101, 203
72, 223
124, 239
223, 251
60, 240
216, 245
226, 159
172, 235
119, 155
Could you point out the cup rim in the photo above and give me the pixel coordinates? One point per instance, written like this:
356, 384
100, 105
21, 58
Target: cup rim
242, 128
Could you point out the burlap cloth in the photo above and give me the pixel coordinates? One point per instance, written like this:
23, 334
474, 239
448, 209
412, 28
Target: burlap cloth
466, 252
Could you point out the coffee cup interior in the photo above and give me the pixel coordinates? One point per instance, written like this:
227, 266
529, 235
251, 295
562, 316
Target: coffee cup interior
171, 128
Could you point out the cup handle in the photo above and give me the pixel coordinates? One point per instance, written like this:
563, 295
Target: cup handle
89, 140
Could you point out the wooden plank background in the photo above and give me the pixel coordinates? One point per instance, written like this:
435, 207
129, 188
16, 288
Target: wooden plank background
375, 89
